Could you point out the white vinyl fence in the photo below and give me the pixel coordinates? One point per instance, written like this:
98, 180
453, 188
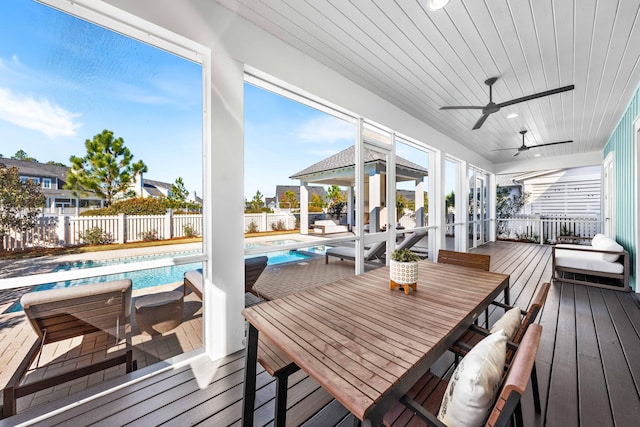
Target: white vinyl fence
269, 222
61, 230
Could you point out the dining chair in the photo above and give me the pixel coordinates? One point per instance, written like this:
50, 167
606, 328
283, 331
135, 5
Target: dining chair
425, 398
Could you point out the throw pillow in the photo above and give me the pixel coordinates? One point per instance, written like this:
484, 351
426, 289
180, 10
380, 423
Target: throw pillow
607, 244
509, 322
596, 239
473, 385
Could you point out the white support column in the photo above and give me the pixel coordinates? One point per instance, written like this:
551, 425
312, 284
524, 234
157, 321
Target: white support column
359, 171
437, 214
491, 205
462, 207
304, 207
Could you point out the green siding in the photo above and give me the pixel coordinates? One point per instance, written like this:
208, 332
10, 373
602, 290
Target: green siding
621, 144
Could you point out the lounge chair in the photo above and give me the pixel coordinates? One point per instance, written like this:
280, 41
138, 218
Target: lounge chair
410, 240
253, 268
374, 252
61, 314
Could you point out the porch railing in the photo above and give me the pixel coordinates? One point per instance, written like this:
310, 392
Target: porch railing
545, 228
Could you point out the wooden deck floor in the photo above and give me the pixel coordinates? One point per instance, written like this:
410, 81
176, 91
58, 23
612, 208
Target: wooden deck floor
588, 367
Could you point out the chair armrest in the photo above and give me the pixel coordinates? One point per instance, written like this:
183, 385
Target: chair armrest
420, 411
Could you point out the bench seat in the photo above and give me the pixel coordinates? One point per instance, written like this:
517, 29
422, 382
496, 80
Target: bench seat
603, 264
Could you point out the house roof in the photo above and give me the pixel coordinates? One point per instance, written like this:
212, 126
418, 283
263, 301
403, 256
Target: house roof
346, 159
36, 169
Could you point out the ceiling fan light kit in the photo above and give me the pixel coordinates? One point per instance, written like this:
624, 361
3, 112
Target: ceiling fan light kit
434, 5
492, 107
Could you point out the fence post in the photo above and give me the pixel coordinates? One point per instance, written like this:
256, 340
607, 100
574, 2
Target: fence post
122, 228
168, 224
540, 228
62, 230
263, 223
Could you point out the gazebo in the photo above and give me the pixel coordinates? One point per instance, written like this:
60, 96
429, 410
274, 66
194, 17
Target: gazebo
339, 170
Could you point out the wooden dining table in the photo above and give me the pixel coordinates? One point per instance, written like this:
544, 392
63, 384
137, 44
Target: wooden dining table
365, 344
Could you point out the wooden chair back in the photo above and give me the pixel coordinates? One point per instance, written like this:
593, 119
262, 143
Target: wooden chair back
517, 379
464, 259
253, 268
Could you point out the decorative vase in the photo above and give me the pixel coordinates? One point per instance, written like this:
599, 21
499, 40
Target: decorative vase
403, 274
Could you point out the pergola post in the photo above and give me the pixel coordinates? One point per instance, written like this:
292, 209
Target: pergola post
375, 201
419, 203
350, 207
304, 207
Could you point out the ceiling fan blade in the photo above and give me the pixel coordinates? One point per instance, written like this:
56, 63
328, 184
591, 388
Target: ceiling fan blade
480, 122
462, 107
517, 154
551, 143
504, 149
536, 95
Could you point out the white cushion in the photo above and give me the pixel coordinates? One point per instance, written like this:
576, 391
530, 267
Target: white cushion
509, 322
472, 388
607, 244
586, 261
596, 239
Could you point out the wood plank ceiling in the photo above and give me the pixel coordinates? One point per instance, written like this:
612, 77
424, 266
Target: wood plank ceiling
421, 60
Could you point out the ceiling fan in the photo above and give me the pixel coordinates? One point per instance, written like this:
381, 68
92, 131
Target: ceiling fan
525, 147
492, 107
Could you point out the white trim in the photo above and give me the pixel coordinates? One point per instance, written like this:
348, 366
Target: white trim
114, 19
609, 204
636, 203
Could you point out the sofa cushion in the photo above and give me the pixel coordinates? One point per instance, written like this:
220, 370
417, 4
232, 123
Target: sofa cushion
607, 244
473, 385
586, 260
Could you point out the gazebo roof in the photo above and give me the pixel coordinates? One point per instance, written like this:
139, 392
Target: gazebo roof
340, 162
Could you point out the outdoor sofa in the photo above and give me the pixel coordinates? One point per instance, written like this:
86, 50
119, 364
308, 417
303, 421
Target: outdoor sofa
604, 264
328, 226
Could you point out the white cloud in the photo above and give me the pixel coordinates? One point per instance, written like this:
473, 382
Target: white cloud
326, 129
41, 115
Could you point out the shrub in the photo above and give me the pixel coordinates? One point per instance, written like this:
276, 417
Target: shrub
95, 236
315, 208
137, 206
252, 228
189, 231
280, 225
149, 236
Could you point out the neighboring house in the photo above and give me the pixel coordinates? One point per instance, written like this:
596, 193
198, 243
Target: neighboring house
573, 192
51, 179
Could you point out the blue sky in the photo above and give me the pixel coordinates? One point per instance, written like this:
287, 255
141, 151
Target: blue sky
283, 137
63, 80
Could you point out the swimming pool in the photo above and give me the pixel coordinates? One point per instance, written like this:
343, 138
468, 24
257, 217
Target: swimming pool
163, 275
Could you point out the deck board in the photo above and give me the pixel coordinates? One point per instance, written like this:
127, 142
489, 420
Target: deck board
588, 367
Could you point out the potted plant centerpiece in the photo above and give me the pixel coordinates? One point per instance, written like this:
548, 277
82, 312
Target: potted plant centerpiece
403, 270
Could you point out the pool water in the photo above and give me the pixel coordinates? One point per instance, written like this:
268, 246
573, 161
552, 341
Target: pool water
164, 275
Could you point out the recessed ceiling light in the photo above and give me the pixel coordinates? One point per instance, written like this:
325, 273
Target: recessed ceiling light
512, 115
436, 4
537, 155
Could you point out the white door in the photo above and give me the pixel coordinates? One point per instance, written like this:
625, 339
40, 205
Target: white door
608, 176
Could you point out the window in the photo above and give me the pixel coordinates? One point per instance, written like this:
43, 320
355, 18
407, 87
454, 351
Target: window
46, 183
